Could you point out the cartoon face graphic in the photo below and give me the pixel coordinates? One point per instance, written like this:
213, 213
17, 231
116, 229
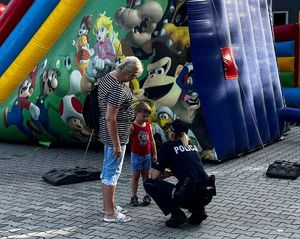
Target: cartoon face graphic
159, 86
100, 34
26, 88
50, 81
85, 26
83, 30
102, 27
75, 123
28, 85
141, 17
164, 120
143, 138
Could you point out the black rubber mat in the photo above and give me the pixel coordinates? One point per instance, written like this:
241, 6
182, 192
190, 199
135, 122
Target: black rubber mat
58, 177
283, 169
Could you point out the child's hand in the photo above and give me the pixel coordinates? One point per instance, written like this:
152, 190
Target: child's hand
154, 158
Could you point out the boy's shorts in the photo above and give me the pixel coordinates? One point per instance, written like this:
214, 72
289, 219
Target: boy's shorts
112, 166
139, 162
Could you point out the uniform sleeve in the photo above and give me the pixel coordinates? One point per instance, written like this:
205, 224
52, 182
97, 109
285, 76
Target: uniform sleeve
115, 97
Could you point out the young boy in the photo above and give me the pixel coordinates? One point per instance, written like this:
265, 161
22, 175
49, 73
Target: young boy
142, 145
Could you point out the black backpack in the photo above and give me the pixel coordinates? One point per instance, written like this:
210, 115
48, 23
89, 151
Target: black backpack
91, 112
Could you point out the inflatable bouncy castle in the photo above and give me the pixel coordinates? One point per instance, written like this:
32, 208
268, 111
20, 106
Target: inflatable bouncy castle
210, 63
287, 51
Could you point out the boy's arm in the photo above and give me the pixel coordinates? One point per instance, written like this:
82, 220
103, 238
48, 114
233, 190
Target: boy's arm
153, 145
131, 128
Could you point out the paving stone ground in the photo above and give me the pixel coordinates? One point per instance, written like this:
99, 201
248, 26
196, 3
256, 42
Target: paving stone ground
248, 204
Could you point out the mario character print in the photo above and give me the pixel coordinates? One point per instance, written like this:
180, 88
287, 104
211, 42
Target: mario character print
21, 103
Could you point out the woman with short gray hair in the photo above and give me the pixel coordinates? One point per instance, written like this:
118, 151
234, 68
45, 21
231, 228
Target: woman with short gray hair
116, 114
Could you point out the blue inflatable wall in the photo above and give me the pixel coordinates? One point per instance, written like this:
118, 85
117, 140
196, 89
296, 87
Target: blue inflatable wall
241, 113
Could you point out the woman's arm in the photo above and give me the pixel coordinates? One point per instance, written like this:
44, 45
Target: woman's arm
112, 126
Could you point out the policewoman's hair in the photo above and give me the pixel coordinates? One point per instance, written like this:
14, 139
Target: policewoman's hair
131, 64
180, 130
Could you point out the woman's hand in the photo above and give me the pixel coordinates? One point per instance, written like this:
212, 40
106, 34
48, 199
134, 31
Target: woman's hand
117, 152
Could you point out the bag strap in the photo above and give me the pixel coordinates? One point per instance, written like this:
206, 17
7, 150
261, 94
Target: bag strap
83, 160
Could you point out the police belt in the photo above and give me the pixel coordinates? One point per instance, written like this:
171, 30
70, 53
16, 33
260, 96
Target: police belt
188, 184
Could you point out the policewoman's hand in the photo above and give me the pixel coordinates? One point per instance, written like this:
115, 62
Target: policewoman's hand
166, 174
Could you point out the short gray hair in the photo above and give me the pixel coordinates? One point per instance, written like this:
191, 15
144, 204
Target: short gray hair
131, 64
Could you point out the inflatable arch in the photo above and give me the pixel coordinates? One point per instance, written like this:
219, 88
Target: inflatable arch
26, 27
14, 12
211, 63
288, 54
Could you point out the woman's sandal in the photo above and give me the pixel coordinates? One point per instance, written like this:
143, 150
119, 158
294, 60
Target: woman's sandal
118, 209
120, 217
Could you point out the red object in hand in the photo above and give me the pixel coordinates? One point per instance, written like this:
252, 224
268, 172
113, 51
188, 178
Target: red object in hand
230, 67
2, 8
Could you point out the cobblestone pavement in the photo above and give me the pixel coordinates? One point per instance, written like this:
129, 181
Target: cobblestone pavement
247, 205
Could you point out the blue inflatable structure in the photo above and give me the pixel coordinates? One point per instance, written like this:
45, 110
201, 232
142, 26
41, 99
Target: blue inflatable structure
241, 112
229, 62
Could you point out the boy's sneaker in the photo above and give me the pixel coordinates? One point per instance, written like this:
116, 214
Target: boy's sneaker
146, 200
134, 201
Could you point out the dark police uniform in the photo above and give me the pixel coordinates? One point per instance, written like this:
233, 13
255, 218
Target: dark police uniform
192, 189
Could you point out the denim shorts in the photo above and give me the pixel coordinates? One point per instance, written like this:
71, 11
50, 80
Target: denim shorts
139, 162
112, 166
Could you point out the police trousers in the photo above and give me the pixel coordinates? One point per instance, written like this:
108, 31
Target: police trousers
169, 200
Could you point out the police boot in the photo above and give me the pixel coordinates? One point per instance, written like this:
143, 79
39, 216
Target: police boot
197, 217
212, 184
177, 219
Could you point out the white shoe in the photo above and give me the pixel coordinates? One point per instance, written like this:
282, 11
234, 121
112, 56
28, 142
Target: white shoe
118, 209
120, 217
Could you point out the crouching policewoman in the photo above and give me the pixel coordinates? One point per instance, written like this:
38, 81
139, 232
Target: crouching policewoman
194, 189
